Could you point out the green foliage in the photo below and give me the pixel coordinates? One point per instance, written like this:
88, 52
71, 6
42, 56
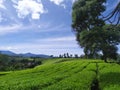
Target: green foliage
86, 14
104, 40
91, 32
8, 63
4, 58
86, 21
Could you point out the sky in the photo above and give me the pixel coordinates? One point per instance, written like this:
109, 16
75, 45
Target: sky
39, 26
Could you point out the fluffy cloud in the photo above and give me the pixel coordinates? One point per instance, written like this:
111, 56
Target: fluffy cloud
29, 7
57, 2
61, 2
14, 1
1, 4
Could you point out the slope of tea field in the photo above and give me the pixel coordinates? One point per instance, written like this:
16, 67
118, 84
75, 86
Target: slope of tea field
64, 74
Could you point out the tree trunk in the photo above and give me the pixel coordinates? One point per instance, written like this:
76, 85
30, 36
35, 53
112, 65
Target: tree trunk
105, 56
105, 59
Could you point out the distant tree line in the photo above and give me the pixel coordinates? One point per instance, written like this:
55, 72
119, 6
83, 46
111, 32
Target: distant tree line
16, 63
67, 55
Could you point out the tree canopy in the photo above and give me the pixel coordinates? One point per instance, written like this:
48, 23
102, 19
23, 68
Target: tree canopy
92, 33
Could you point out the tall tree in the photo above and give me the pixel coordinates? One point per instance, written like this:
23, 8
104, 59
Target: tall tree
85, 17
91, 32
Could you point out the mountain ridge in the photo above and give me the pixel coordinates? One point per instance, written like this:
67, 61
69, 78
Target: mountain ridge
10, 53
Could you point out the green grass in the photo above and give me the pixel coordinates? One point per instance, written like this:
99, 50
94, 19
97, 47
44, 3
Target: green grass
63, 74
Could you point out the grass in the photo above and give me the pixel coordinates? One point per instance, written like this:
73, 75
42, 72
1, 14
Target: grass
63, 74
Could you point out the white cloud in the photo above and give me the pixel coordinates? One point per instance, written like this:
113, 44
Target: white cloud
58, 39
47, 46
14, 28
57, 2
9, 29
44, 48
29, 7
68, 38
63, 5
38, 49
2, 4
44, 25
61, 2
8, 47
52, 28
15, 1
35, 16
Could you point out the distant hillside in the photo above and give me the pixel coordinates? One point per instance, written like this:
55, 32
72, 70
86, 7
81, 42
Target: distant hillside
10, 53
34, 55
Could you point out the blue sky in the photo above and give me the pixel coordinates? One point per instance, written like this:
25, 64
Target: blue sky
39, 26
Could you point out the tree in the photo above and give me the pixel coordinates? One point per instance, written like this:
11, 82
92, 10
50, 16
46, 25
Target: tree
76, 55
91, 32
111, 38
71, 55
64, 55
85, 15
4, 58
60, 56
85, 18
101, 40
67, 54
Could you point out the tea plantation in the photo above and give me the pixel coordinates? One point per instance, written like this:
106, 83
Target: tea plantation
64, 74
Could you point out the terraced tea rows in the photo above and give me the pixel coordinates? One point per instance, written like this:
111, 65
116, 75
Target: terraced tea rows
109, 76
67, 74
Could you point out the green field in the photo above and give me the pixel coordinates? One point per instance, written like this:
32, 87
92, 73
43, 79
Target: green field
64, 74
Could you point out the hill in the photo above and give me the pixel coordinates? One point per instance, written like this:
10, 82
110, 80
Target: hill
10, 53
34, 55
64, 74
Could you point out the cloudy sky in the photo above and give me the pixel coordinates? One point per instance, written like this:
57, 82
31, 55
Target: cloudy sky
39, 26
